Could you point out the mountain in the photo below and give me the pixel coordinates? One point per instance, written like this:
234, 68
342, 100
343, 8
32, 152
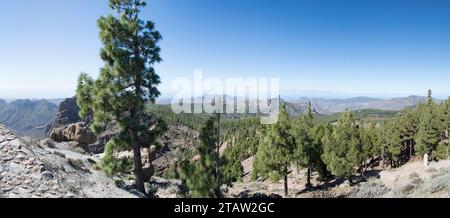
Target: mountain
27, 117
326, 106
330, 106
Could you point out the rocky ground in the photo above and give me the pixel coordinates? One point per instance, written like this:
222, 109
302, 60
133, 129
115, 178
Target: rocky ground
57, 170
412, 180
46, 169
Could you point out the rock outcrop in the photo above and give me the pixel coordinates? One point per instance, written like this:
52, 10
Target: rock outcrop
67, 114
62, 129
76, 132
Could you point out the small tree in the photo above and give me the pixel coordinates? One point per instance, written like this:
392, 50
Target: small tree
307, 153
370, 143
200, 174
276, 150
343, 149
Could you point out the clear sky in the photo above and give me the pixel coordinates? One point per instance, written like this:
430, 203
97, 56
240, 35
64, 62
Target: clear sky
374, 48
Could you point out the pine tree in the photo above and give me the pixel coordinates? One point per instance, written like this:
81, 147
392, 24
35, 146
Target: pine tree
128, 80
307, 153
276, 150
394, 142
428, 136
200, 173
370, 143
231, 168
320, 133
343, 149
442, 152
408, 130
444, 116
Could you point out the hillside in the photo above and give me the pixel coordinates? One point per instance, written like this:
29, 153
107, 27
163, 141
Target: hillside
330, 106
27, 117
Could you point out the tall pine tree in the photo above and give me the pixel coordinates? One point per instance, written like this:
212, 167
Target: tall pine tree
276, 150
428, 136
307, 153
127, 82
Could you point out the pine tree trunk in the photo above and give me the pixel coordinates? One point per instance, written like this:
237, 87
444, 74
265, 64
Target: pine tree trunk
138, 168
410, 150
217, 190
135, 120
308, 183
286, 188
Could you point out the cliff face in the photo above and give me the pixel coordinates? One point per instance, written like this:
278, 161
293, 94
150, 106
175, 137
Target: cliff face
67, 113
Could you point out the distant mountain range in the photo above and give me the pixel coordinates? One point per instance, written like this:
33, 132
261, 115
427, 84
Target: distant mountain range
330, 106
30, 117
27, 117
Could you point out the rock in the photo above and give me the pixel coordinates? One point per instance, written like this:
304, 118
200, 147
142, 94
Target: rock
76, 132
47, 143
15, 143
57, 135
80, 133
47, 175
67, 113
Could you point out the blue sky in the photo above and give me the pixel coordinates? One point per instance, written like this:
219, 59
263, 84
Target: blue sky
377, 48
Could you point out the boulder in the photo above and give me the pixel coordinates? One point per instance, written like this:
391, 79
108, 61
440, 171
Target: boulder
57, 135
76, 132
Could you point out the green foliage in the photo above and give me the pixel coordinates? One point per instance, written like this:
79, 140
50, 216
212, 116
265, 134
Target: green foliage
428, 135
442, 152
199, 173
359, 114
127, 82
343, 148
308, 149
112, 165
276, 148
231, 168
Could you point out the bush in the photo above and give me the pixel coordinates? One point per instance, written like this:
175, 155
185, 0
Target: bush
407, 189
438, 184
441, 152
59, 154
76, 164
275, 177
370, 190
322, 194
120, 183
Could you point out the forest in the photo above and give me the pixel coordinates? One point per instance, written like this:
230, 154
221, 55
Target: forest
343, 147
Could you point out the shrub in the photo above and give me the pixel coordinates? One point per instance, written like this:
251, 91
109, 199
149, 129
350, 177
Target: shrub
371, 190
120, 183
76, 164
59, 154
408, 189
438, 184
441, 152
322, 194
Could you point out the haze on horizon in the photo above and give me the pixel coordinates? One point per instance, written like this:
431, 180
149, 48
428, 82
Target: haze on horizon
317, 48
